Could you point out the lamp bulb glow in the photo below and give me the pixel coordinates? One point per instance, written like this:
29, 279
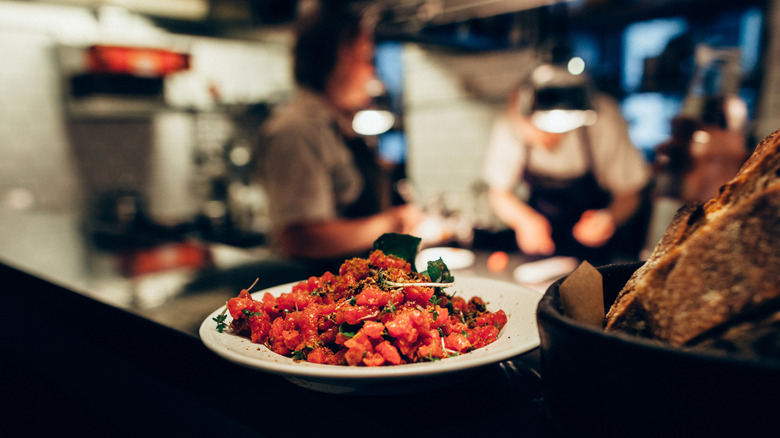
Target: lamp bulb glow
559, 121
372, 122
576, 66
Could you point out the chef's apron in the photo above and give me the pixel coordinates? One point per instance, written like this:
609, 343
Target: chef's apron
370, 201
563, 200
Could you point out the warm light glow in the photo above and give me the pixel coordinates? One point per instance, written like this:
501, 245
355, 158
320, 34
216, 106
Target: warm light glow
240, 156
558, 121
701, 136
576, 66
736, 113
543, 74
372, 122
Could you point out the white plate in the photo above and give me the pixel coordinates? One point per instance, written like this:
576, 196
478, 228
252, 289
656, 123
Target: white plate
519, 335
454, 258
543, 270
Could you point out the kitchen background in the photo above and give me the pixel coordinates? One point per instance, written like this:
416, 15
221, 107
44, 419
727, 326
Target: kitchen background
178, 149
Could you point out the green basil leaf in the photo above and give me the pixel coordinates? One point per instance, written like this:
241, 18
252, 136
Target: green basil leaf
439, 272
403, 246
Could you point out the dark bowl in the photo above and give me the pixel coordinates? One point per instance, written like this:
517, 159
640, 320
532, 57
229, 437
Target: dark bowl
603, 384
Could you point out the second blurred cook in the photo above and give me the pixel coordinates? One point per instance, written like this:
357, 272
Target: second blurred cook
582, 182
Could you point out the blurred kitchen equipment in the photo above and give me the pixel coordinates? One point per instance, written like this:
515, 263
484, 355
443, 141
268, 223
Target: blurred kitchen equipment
102, 80
131, 150
717, 76
118, 212
233, 206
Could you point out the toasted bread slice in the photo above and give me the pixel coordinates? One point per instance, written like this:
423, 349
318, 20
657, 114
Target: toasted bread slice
715, 261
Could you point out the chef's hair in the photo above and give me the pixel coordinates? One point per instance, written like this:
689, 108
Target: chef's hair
319, 38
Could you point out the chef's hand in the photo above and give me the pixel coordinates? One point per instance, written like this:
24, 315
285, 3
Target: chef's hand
534, 235
594, 228
405, 218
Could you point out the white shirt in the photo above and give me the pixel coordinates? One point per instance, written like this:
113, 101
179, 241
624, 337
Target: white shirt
618, 165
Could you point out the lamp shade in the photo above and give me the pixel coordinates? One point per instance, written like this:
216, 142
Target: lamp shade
561, 100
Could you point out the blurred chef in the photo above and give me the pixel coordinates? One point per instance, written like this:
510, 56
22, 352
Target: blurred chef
705, 151
569, 150
322, 181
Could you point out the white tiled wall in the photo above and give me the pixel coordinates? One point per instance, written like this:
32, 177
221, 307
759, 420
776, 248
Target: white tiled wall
36, 166
451, 100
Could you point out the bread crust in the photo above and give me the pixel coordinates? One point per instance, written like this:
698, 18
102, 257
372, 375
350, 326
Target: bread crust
714, 262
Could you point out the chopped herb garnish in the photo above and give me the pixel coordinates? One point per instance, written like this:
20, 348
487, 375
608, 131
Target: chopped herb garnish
349, 330
439, 272
431, 358
220, 320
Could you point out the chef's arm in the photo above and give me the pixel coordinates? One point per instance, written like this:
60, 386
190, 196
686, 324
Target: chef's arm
532, 230
623, 206
342, 237
509, 208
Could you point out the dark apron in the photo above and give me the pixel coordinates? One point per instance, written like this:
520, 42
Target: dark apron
563, 200
369, 202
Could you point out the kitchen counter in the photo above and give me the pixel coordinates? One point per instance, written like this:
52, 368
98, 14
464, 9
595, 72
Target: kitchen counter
174, 281
105, 339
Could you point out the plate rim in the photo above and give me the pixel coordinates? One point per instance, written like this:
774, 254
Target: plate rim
287, 367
